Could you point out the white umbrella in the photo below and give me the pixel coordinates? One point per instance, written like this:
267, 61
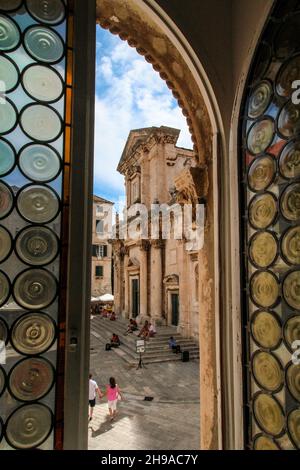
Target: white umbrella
106, 298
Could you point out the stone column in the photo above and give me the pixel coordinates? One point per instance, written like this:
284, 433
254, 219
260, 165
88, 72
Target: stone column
127, 287
143, 280
156, 280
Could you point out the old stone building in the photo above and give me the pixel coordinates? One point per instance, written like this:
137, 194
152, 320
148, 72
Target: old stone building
156, 279
101, 249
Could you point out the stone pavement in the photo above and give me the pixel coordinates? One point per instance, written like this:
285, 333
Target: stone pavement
169, 421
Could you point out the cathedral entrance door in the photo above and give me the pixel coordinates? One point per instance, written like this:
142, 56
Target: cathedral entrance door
175, 308
135, 297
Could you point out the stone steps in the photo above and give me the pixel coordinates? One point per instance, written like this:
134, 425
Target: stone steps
157, 349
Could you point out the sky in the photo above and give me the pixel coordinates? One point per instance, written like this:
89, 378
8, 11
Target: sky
129, 95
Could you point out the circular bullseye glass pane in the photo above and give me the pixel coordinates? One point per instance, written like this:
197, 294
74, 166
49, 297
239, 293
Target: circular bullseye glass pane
5, 243
8, 116
262, 442
43, 44
42, 83
261, 173
3, 331
292, 330
290, 245
290, 202
7, 157
6, 200
267, 371
262, 210
268, 414
37, 245
291, 289
294, 427
2, 381
38, 204
288, 121
9, 75
9, 34
35, 289
260, 136
31, 379
47, 11
293, 380
259, 99
266, 330
9, 5
4, 288
263, 249
39, 163
33, 333
264, 289
41, 123
287, 39
29, 426
289, 162
287, 75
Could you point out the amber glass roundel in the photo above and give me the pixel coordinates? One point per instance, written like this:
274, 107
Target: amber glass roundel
288, 73
48, 11
31, 379
268, 414
3, 331
289, 162
267, 371
294, 426
29, 426
42, 83
39, 163
290, 245
2, 380
7, 157
38, 204
290, 202
43, 44
287, 39
41, 123
291, 289
9, 34
262, 210
259, 99
35, 289
261, 173
33, 333
4, 288
10, 5
262, 442
288, 122
293, 380
6, 200
264, 289
263, 249
37, 245
260, 136
266, 329
5, 243
292, 330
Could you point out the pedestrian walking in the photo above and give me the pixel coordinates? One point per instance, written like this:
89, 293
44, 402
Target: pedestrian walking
114, 394
93, 390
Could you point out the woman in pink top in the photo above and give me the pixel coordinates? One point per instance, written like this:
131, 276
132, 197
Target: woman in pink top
113, 393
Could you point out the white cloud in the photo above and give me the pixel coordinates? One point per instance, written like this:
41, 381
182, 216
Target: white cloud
130, 95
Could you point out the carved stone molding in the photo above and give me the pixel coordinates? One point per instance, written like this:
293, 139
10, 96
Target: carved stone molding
191, 185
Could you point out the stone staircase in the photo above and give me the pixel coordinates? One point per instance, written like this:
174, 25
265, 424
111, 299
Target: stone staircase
157, 349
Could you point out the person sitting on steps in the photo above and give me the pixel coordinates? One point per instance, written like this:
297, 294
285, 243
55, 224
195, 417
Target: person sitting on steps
144, 332
132, 326
115, 341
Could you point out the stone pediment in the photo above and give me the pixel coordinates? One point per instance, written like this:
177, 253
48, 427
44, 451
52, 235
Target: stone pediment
133, 262
172, 279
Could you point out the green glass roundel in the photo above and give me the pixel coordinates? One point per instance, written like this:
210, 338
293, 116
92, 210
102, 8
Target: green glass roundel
47, 11
39, 163
42, 83
38, 204
4, 288
8, 74
6, 200
43, 44
7, 157
41, 123
9, 34
8, 116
